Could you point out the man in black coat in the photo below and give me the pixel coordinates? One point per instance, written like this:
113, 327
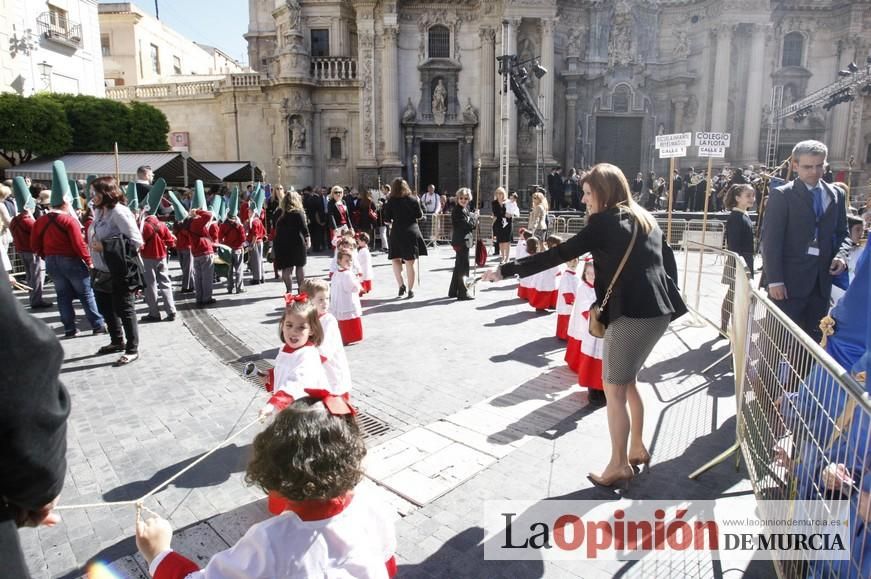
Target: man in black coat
34, 406
805, 241
144, 179
556, 188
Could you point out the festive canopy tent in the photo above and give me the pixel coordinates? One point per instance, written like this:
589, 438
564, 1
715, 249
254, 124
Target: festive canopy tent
234, 171
173, 167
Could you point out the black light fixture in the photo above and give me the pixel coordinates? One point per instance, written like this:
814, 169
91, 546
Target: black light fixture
538, 70
853, 68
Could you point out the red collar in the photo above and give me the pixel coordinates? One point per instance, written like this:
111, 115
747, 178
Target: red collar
343, 269
588, 284
318, 510
570, 271
288, 350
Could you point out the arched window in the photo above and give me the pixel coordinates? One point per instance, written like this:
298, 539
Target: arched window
793, 49
335, 148
439, 42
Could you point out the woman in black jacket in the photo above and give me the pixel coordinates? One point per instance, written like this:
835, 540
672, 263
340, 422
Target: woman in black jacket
403, 210
739, 239
464, 223
338, 215
291, 241
642, 302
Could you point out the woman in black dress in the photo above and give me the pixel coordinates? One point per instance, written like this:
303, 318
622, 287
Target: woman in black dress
502, 223
368, 216
291, 240
739, 239
464, 223
406, 242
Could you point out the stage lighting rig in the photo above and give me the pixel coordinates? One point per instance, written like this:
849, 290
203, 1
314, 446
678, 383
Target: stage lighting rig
518, 77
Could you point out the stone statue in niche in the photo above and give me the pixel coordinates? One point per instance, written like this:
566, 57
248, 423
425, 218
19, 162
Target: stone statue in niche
294, 10
297, 135
409, 114
470, 115
575, 45
620, 49
682, 45
439, 103
526, 50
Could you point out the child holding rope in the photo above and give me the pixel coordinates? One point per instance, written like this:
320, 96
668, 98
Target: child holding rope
298, 364
331, 349
311, 454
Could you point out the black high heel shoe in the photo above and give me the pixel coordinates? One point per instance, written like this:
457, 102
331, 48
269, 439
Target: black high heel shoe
402, 290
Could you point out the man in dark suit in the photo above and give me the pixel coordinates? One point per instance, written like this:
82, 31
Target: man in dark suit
34, 406
805, 240
144, 179
556, 188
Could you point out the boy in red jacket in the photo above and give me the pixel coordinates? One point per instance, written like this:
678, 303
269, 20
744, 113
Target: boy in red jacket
21, 227
203, 233
182, 230
157, 238
233, 236
256, 234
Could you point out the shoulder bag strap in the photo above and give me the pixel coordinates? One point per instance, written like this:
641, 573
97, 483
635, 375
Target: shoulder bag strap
620, 267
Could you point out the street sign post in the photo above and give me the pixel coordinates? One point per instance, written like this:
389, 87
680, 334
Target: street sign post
672, 147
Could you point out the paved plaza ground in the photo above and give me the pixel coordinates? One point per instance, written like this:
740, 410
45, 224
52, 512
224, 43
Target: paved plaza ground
464, 402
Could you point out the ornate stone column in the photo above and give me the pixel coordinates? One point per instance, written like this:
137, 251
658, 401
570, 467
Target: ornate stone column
546, 26
755, 80
679, 108
571, 124
390, 99
488, 98
720, 108
368, 96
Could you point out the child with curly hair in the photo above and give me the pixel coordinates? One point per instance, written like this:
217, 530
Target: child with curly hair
311, 455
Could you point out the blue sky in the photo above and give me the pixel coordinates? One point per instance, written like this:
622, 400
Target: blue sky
219, 23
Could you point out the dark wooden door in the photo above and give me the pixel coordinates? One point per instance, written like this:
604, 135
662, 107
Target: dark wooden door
618, 141
439, 166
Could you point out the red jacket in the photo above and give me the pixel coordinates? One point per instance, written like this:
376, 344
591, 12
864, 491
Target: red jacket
257, 231
232, 234
21, 227
59, 234
203, 234
244, 210
182, 235
157, 238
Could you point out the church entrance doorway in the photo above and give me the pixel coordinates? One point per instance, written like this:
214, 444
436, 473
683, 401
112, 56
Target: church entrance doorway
618, 141
439, 166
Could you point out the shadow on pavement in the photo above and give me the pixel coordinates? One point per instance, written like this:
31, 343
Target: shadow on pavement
213, 471
402, 304
533, 353
463, 556
513, 319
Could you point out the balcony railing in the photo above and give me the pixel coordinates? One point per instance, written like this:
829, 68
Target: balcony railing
334, 68
58, 28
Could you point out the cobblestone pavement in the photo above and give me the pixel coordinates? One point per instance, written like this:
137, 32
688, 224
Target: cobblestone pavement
477, 402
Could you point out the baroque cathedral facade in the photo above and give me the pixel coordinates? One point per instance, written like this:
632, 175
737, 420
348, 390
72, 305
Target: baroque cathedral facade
357, 91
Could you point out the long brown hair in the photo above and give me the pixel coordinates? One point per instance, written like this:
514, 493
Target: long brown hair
400, 188
611, 189
112, 194
735, 191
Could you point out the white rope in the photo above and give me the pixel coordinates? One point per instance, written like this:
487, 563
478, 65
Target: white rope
138, 502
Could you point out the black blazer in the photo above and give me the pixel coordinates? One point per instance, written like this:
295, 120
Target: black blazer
647, 286
34, 406
334, 216
787, 231
739, 236
464, 223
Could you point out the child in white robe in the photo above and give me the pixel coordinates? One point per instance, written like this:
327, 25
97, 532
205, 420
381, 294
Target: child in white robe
311, 454
364, 259
345, 300
589, 361
544, 292
332, 351
568, 288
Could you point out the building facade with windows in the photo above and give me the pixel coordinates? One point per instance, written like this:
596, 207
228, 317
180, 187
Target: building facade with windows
350, 91
139, 49
50, 46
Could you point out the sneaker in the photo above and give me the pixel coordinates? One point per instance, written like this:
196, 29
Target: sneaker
100, 330
170, 317
41, 305
149, 318
71, 333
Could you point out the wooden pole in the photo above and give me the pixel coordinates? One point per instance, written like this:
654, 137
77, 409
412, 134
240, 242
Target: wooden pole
117, 165
708, 188
849, 179
670, 198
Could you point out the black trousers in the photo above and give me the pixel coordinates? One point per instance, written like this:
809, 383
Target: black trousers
461, 270
118, 309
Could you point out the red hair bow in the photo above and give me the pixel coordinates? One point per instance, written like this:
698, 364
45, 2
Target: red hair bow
291, 298
336, 405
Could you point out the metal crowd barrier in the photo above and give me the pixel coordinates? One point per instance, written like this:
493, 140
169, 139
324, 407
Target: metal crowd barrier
803, 422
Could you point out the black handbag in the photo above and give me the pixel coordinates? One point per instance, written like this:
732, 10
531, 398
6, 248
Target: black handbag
101, 281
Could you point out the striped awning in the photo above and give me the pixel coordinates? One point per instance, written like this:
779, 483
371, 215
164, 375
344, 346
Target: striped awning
234, 171
169, 165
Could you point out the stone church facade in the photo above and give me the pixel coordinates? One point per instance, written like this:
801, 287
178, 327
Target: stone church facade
351, 91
